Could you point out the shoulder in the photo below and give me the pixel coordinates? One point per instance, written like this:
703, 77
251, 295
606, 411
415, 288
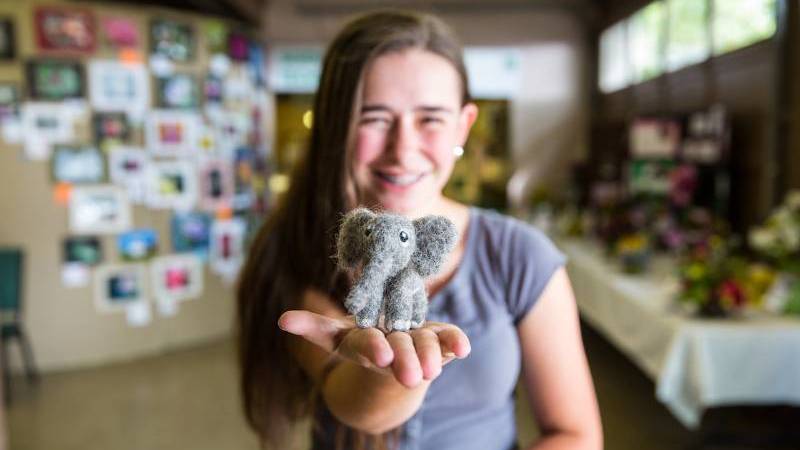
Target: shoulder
512, 240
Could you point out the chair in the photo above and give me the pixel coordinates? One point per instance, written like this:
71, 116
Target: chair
11, 268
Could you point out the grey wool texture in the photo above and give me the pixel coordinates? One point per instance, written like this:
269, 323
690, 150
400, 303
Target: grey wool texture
394, 254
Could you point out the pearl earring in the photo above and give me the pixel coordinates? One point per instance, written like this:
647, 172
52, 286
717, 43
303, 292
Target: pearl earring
458, 151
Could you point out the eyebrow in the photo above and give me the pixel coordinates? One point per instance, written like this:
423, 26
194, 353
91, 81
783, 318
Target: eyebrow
423, 108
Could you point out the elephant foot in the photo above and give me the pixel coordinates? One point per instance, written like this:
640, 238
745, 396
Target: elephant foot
354, 303
366, 321
399, 325
417, 324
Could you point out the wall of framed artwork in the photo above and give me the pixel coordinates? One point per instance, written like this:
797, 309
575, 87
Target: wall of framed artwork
86, 96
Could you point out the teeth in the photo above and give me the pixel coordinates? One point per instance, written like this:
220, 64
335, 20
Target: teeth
402, 180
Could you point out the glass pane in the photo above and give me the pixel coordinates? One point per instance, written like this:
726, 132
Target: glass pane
645, 35
739, 23
614, 69
688, 41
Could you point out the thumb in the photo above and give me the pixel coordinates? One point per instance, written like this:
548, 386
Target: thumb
313, 327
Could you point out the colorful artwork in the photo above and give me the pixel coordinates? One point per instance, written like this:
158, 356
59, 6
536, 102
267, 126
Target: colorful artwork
238, 47
116, 86
102, 209
120, 32
55, 80
137, 245
172, 133
191, 233
65, 29
85, 250
216, 185
120, 285
216, 33
172, 185
110, 129
227, 247
77, 164
213, 89
9, 100
177, 277
178, 91
128, 167
172, 39
45, 124
8, 49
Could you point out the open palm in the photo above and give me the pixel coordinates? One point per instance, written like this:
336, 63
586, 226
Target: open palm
410, 356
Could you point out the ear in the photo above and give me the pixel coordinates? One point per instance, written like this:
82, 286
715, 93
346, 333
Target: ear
351, 244
436, 237
466, 118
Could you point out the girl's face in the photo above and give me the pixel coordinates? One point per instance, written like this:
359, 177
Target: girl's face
411, 119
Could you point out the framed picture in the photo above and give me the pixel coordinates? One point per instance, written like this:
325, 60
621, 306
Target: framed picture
102, 209
227, 247
238, 46
77, 164
110, 129
216, 34
8, 46
137, 245
216, 184
43, 125
117, 286
65, 29
128, 168
650, 176
54, 80
177, 277
86, 250
116, 86
172, 133
191, 232
120, 32
231, 129
172, 39
654, 138
178, 91
9, 100
172, 185
212, 89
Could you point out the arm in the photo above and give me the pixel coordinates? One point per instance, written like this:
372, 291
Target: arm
556, 373
358, 385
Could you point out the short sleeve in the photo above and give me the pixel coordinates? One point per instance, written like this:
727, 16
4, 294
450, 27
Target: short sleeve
530, 259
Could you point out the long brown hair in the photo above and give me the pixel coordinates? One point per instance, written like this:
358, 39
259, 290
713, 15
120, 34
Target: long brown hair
292, 252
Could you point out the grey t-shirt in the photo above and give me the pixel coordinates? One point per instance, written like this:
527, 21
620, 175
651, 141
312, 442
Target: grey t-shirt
505, 267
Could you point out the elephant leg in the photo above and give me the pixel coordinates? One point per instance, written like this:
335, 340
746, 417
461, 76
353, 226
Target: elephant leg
366, 298
399, 307
420, 308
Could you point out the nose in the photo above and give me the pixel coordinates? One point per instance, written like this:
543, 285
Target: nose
404, 140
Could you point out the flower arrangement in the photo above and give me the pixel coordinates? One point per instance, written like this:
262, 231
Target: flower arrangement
633, 250
778, 242
714, 281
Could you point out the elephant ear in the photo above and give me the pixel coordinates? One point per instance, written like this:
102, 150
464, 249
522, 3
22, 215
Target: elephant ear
352, 241
436, 237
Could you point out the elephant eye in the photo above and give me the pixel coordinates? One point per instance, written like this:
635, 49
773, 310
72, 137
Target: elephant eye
368, 231
403, 236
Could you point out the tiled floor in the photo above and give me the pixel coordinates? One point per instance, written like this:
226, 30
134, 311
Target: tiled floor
189, 400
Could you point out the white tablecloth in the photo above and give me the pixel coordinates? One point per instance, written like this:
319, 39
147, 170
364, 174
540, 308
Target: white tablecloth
695, 363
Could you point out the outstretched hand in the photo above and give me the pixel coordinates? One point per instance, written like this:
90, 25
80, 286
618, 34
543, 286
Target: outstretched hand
410, 356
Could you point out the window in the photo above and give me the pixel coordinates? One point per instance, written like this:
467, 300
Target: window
645, 41
614, 69
687, 38
739, 23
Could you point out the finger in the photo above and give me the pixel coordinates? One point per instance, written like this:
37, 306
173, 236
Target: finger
368, 347
454, 341
316, 328
429, 352
405, 366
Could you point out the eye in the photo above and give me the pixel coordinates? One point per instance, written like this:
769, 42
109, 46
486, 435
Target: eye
403, 237
368, 231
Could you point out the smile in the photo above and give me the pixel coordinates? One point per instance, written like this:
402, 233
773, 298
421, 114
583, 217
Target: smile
400, 180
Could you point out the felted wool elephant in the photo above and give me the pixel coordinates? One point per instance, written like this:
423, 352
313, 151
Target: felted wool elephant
395, 254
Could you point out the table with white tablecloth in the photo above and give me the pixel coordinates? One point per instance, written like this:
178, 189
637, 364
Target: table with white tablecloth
752, 359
